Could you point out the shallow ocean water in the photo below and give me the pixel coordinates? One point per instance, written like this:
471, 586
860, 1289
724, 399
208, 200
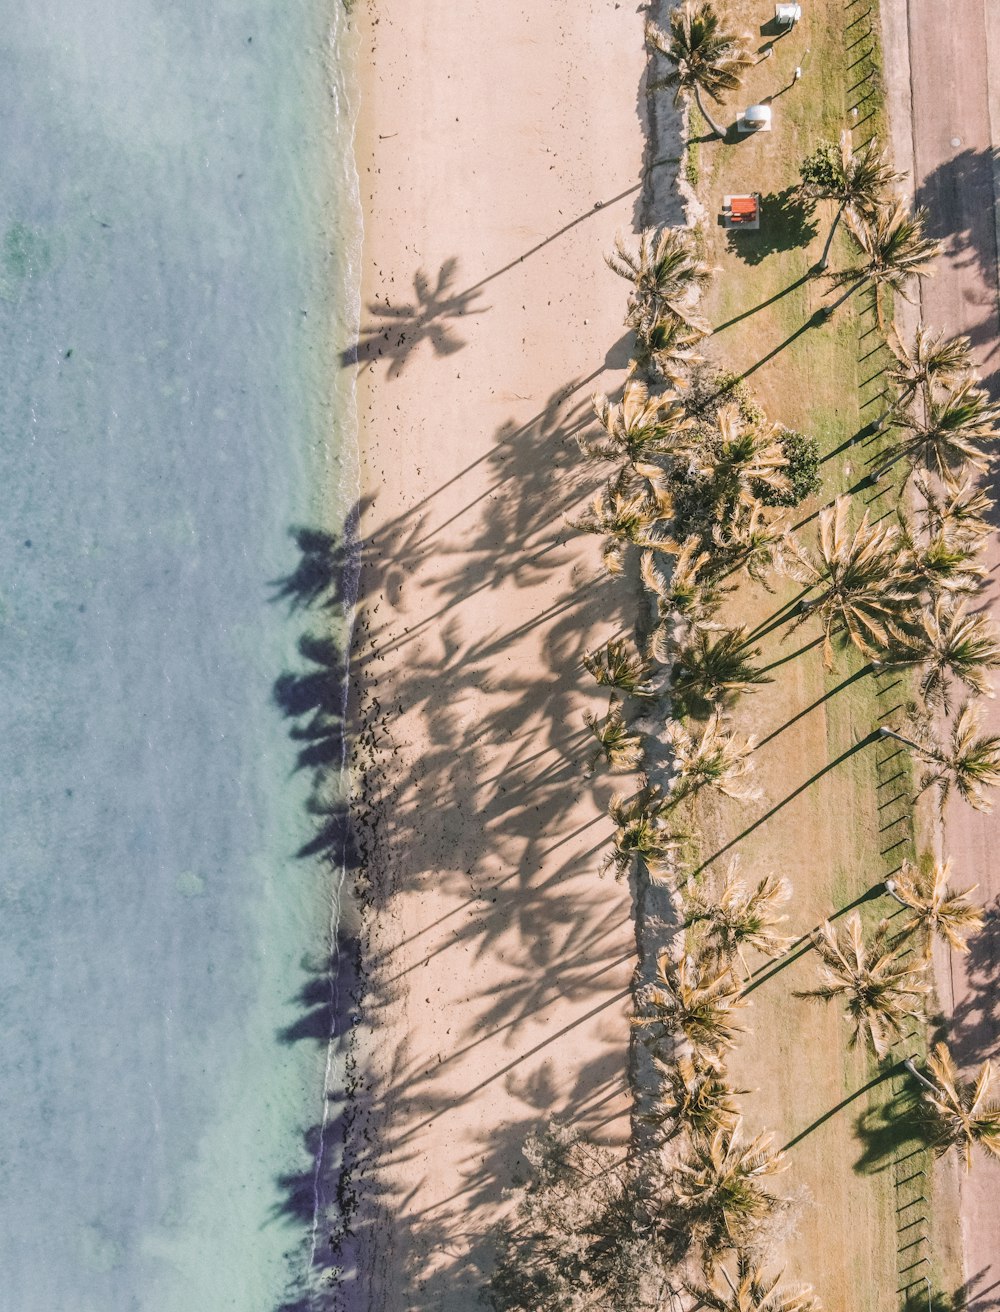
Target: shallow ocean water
176, 243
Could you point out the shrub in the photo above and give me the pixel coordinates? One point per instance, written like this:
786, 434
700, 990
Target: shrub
802, 454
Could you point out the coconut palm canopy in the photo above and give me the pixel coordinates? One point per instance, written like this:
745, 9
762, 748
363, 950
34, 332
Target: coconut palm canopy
743, 460
931, 361
619, 745
618, 665
639, 428
857, 180
721, 1188
949, 643
716, 667
666, 274
969, 762
625, 515
740, 916
951, 432
713, 758
693, 1097
697, 1001
958, 508
880, 989
664, 348
892, 249
964, 1113
866, 585
753, 1291
936, 906
690, 591
644, 829
706, 53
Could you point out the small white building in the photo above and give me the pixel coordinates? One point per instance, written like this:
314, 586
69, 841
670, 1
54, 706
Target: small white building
786, 16
755, 118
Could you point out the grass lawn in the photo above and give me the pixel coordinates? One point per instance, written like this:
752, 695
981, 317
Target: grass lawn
836, 816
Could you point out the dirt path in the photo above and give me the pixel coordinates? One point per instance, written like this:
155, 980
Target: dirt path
953, 56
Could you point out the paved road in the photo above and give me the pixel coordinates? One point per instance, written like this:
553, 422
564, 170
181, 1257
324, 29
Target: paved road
953, 51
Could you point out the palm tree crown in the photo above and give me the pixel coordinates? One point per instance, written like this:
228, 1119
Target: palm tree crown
937, 907
856, 179
665, 272
753, 1291
964, 1112
618, 745
716, 668
893, 249
625, 516
686, 997
643, 830
953, 431
706, 55
933, 360
664, 347
950, 643
618, 665
745, 459
866, 586
720, 1188
694, 1097
741, 916
638, 428
969, 762
715, 758
880, 990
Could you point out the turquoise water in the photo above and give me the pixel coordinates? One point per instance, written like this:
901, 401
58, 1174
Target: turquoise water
177, 217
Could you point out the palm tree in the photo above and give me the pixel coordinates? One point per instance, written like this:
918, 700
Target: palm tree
618, 665
715, 759
644, 831
856, 179
665, 272
685, 593
879, 989
640, 428
963, 1112
752, 1291
693, 1097
949, 642
950, 434
945, 567
717, 668
618, 744
932, 360
959, 509
705, 54
936, 907
749, 541
893, 249
625, 517
741, 917
867, 589
664, 347
720, 1188
744, 460
687, 998
969, 762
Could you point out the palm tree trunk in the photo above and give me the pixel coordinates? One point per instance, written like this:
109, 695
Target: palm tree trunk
824, 259
908, 1063
719, 132
885, 732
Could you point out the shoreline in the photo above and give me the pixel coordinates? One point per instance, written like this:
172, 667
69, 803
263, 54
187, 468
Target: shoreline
527, 1033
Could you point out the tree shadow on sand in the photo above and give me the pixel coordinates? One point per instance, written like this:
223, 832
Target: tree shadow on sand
393, 330
502, 743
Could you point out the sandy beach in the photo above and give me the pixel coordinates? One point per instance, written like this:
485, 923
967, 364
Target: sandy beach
500, 149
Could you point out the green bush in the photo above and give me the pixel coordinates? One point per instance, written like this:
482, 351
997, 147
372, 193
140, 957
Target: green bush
802, 454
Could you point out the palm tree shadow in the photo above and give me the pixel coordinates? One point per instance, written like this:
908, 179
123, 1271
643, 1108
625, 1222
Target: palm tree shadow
393, 331
893, 1132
